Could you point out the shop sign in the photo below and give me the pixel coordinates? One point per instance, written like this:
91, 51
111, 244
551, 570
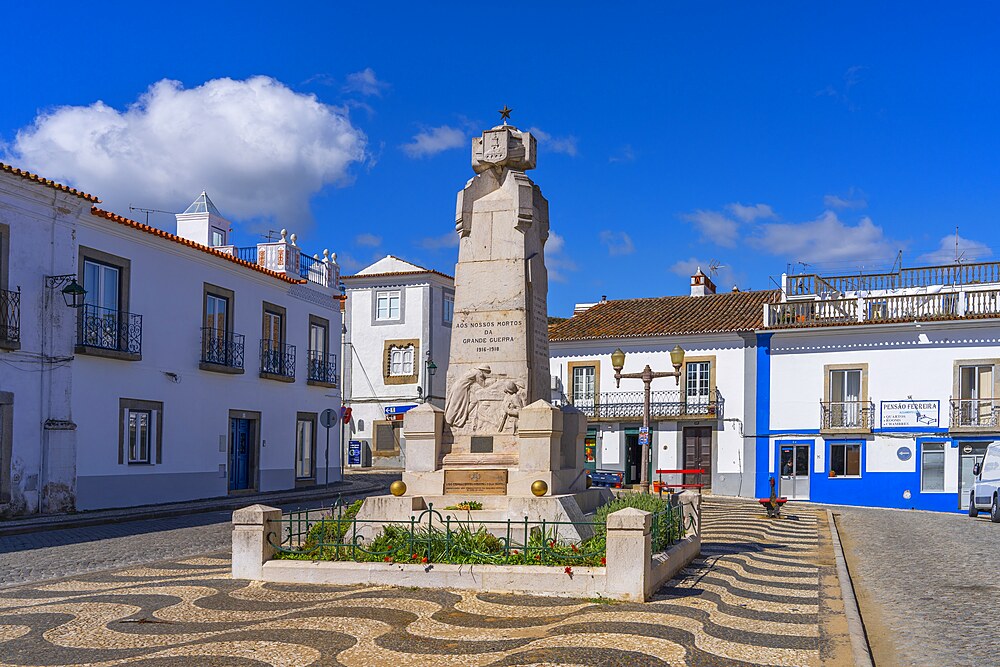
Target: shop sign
911, 414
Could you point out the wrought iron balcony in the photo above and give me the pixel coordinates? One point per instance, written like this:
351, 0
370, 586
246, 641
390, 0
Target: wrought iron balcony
222, 348
110, 329
10, 317
663, 404
322, 367
975, 412
277, 358
846, 415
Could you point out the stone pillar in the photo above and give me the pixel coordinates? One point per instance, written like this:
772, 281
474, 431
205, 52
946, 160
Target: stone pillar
423, 427
629, 554
251, 548
539, 432
690, 503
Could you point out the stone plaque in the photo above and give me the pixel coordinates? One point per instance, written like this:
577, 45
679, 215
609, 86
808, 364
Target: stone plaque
481, 444
476, 482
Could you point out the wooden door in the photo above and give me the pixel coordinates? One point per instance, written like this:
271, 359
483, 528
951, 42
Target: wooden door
698, 454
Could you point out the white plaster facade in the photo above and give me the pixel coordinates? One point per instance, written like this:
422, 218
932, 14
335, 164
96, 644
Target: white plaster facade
68, 444
420, 312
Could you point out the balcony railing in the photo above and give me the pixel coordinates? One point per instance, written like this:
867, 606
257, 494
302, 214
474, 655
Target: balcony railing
10, 316
847, 415
222, 348
664, 404
889, 308
974, 412
277, 358
924, 276
322, 367
110, 329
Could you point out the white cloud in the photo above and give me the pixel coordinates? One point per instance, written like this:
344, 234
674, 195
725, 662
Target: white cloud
349, 264
365, 82
446, 240
618, 243
715, 227
566, 145
369, 240
853, 199
556, 262
825, 239
434, 140
625, 154
259, 148
750, 213
968, 251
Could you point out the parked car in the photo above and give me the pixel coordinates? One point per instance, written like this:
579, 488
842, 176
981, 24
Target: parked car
986, 490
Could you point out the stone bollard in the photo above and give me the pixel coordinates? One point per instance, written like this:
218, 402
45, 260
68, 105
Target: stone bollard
251, 548
690, 503
629, 554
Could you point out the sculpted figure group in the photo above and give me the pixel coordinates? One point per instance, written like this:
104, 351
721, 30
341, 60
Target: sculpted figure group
481, 402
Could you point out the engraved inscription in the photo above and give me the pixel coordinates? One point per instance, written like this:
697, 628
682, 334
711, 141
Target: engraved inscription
487, 482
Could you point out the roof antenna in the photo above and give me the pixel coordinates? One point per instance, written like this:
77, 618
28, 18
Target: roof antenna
147, 211
898, 260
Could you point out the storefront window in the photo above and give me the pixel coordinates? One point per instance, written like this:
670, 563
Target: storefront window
932, 466
845, 459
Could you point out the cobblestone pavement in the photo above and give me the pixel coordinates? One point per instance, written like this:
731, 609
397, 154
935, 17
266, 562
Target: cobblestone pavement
759, 596
58, 553
926, 583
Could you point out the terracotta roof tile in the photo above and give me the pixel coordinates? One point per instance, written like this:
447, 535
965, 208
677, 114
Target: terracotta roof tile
44, 181
668, 315
101, 213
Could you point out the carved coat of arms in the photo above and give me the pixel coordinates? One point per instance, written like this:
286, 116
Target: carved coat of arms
495, 146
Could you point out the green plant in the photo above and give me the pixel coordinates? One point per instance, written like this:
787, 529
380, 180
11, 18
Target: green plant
466, 505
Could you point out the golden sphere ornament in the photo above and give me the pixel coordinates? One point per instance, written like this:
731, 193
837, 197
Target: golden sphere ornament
539, 488
397, 488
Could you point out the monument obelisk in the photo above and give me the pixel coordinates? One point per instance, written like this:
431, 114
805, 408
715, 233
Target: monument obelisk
498, 435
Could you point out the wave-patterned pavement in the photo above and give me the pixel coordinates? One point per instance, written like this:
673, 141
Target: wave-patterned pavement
755, 597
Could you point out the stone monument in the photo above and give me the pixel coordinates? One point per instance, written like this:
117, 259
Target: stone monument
498, 438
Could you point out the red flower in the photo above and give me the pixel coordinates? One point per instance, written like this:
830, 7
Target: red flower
538, 558
604, 561
568, 570
424, 559
574, 547
387, 559
552, 544
416, 556
514, 552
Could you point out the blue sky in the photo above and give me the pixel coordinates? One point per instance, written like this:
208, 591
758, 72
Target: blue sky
673, 134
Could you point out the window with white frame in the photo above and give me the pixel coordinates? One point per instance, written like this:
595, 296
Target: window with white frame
932, 466
976, 404
448, 314
305, 446
388, 305
140, 429
845, 459
846, 409
584, 385
698, 382
401, 360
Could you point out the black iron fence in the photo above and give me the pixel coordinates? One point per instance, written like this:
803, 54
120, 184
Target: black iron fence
277, 358
110, 329
848, 415
974, 412
322, 367
221, 347
10, 316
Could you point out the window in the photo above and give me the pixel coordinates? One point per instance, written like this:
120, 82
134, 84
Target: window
105, 327
388, 305
305, 446
845, 459
698, 382
932, 466
584, 384
101, 283
216, 313
317, 338
401, 361
140, 440
976, 395
272, 327
845, 408
448, 314
276, 358
218, 237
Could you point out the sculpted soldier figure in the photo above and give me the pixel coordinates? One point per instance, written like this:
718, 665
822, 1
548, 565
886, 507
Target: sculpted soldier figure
459, 405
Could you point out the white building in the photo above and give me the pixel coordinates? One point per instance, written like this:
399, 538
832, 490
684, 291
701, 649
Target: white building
398, 319
880, 389
699, 424
192, 369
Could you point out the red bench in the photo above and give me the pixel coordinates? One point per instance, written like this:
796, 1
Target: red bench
775, 510
658, 485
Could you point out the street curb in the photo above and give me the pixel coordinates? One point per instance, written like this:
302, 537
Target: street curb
855, 625
82, 520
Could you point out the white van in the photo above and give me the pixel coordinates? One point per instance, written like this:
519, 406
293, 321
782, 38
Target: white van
987, 486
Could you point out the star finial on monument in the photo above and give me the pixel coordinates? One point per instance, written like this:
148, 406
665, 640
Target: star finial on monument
505, 113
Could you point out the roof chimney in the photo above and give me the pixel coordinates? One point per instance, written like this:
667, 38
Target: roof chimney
701, 285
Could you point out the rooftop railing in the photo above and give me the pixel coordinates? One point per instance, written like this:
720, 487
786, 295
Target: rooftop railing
664, 404
923, 276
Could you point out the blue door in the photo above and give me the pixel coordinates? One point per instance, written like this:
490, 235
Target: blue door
241, 437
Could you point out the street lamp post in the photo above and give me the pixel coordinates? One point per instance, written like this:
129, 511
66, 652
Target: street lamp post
647, 376
431, 368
